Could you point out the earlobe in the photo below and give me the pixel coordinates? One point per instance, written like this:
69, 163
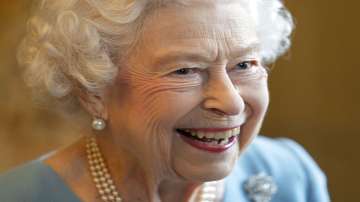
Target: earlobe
94, 104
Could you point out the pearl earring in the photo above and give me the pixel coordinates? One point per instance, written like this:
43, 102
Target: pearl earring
98, 124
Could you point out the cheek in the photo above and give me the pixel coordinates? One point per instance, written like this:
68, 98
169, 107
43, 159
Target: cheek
255, 93
165, 106
256, 97
162, 100
155, 101
155, 109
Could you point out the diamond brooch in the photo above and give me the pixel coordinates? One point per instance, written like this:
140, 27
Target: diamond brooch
260, 187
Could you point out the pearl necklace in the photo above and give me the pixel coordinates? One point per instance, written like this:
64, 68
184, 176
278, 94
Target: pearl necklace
105, 185
100, 174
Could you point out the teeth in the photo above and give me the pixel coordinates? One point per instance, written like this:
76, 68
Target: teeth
200, 134
220, 135
213, 143
235, 131
210, 135
224, 142
228, 134
215, 135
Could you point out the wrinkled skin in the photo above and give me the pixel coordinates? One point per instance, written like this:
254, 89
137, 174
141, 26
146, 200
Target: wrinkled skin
152, 97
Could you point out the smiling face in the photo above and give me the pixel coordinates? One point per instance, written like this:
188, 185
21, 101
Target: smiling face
193, 94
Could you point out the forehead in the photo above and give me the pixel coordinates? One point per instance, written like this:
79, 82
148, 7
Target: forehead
206, 24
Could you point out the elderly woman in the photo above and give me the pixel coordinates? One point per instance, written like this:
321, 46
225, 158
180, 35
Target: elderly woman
177, 92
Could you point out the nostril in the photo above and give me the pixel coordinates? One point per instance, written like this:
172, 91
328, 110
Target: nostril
217, 112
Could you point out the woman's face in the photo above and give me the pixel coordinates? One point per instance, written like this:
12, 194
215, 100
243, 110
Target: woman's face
195, 67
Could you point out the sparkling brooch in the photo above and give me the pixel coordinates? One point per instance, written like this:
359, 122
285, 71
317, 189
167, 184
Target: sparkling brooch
260, 187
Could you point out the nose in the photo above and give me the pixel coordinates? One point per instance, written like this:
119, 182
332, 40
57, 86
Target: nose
222, 97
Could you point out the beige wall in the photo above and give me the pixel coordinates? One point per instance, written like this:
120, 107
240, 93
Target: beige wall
26, 130
314, 94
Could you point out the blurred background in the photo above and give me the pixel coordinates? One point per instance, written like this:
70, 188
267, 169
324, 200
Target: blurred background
314, 90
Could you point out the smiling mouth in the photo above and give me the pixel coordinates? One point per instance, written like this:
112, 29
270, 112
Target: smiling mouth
213, 140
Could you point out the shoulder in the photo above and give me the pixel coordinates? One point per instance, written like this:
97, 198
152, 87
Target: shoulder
273, 154
32, 182
293, 171
283, 156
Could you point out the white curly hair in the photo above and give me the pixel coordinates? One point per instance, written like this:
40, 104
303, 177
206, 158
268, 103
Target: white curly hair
73, 45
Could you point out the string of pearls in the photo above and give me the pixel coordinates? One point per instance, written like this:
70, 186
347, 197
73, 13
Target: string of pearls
207, 192
100, 173
105, 185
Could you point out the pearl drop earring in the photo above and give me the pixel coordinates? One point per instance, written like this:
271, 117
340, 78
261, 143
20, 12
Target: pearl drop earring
98, 124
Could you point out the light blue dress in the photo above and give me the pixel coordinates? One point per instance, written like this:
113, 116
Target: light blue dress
296, 175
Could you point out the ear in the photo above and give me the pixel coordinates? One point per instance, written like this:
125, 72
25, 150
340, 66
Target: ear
94, 104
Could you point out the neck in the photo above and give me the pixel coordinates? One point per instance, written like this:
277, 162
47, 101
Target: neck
136, 182
170, 191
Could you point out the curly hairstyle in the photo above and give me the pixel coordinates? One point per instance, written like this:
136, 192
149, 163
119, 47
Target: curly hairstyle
74, 45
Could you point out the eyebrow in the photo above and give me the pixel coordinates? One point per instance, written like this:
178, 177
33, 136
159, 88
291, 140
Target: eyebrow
194, 55
242, 50
177, 55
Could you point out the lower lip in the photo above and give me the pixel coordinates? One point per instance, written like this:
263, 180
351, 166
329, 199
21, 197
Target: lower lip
206, 147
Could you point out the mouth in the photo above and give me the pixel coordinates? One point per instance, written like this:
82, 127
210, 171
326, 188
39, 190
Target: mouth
214, 140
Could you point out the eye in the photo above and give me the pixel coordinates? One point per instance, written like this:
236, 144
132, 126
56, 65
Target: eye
182, 71
185, 71
245, 65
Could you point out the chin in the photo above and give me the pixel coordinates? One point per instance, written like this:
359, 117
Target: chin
205, 173
191, 164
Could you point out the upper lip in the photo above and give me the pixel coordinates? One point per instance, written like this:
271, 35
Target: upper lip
210, 129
